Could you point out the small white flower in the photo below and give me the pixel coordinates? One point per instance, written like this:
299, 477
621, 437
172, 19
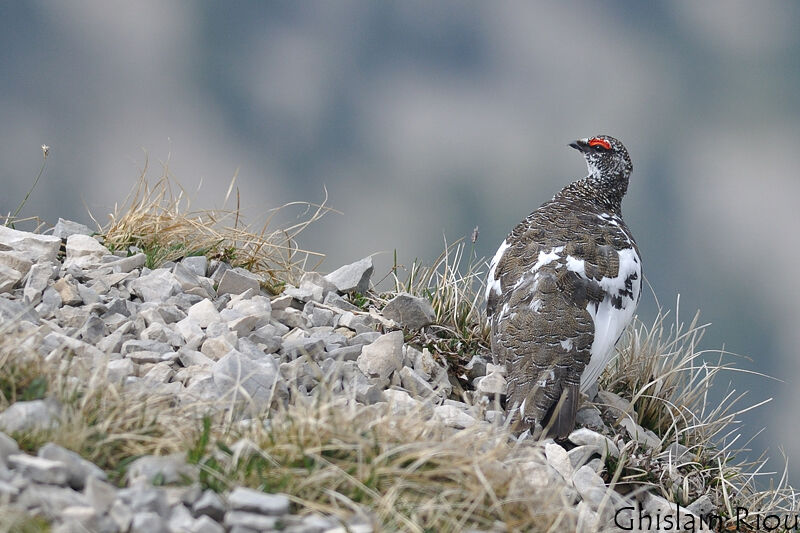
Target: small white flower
45, 150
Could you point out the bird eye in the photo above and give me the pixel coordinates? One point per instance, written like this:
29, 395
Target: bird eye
600, 143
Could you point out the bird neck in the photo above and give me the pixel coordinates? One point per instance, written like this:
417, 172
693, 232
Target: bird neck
602, 190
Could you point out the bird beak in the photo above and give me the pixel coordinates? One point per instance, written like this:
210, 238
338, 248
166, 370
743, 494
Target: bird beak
582, 145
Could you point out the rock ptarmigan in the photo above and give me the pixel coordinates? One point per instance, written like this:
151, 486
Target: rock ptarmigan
562, 288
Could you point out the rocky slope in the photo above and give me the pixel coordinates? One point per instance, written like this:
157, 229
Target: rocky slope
198, 332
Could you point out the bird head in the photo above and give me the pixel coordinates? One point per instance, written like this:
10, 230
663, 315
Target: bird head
605, 156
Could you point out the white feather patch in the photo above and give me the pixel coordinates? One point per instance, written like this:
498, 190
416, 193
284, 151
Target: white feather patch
546, 258
492, 283
609, 322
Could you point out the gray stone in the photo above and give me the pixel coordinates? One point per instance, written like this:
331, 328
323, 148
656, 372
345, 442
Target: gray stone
157, 286
476, 367
162, 333
365, 338
454, 417
249, 500
35, 247
236, 281
383, 356
180, 519
657, 506
205, 524
702, 506
281, 302
99, 494
601, 443
93, 330
141, 345
415, 384
410, 311
313, 348
30, 415
39, 276
645, 437
334, 300
291, 318
50, 500
303, 295
424, 364
12, 311
257, 306
495, 417
493, 384
190, 281
345, 353
319, 286
84, 251
581, 455
367, 391
148, 522
78, 468
559, 459
244, 522
122, 515
360, 323
8, 446
64, 228
68, 291
216, 347
164, 469
127, 265
209, 504
615, 405
80, 348
160, 372
191, 332
238, 375
119, 369
51, 301
198, 264
82, 518
38, 469
14, 266
89, 296
352, 277
589, 416
590, 486
146, 356
189, 358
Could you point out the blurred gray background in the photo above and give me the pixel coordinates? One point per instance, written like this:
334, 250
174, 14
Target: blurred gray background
424, 120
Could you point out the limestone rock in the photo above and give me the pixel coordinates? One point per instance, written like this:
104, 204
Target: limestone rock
383, 356
254, 501
410, 311
84, 251
353, 277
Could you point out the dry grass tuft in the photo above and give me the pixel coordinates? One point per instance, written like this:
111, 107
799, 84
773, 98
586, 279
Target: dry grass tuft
454, 283
159, 220
671, 383
411, 473
102, 421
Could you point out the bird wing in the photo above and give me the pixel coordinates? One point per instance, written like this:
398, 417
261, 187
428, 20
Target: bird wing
544, 337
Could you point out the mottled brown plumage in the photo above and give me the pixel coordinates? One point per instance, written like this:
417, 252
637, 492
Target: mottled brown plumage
565, 280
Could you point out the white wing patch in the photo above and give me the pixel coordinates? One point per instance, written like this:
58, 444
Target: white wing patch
492, 283
610, 321
545, 258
